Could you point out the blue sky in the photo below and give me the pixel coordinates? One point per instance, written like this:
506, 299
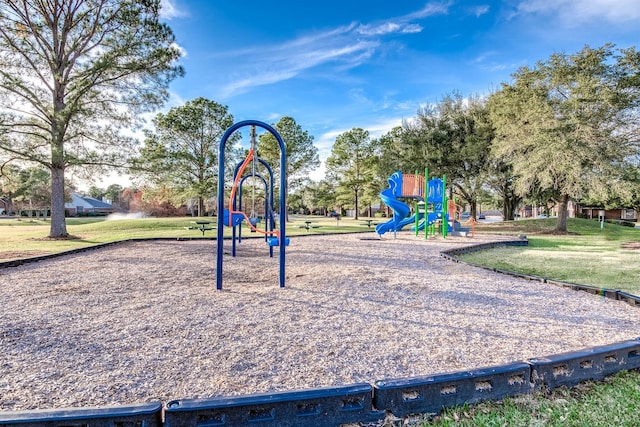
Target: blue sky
335, 65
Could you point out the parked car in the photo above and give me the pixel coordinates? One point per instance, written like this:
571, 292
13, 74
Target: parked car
481, 216
465, 215
333, 214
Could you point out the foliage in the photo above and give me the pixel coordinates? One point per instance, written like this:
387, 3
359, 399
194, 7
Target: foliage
451, 138
72, 74
302, 155
114, 193
568, 126
27, 187
32, 188
182, 151
314, 198
324, 193
392, 154
352, 164
8, 185
95, 192
160, 202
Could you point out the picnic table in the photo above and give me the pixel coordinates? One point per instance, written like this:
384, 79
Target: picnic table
307, 225
369, 222
201, 225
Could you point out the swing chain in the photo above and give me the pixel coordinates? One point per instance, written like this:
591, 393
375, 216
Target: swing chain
253, 171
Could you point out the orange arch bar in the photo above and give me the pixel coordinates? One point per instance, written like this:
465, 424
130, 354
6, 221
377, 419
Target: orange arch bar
237, 181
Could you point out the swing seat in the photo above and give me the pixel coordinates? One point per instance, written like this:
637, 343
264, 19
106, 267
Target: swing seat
274, 241
237, 219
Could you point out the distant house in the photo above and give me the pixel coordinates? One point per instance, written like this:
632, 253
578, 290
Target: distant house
85, 205
4, 207
597, 212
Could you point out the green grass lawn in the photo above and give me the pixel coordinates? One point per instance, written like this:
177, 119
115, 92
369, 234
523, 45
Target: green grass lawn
20, 238
608, 257
613, 402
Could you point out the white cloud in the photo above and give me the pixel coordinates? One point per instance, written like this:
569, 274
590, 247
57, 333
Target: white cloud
383, 126
282, 63
576, 12
430, 9
182, 50
376, 30
346, 46
403, 24
478, 11
389, 28
169, 10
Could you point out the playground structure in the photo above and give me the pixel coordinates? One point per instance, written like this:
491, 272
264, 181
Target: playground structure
430, 209
234, 216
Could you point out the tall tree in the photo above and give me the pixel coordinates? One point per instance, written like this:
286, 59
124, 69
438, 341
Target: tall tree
569, 126
325, 193
114, 194
182, 151
501, 181
31, 186
72, 74
352, 164
302, 155
451, 138
391, 156
96, 192
9, 183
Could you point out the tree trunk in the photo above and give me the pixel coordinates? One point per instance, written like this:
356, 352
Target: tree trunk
58, 224
356, 204
563, 212
58, 163
509, 205
200, 206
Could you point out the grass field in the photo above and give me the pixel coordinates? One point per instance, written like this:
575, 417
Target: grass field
613, 402
608, 257
20, 238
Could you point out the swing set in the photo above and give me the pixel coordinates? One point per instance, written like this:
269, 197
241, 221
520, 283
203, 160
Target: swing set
234, 216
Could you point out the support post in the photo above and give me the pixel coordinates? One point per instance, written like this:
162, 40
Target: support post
426, 203
445, 220
417, 217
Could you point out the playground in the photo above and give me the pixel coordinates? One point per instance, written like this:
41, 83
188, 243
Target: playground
143, 321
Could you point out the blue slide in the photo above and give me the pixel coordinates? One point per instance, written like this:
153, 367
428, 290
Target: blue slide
400, 209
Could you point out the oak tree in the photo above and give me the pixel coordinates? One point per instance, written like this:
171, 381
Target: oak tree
182, 151
569, 125
352, 165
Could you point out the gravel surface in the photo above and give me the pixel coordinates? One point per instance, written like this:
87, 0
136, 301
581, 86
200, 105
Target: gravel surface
142, 321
